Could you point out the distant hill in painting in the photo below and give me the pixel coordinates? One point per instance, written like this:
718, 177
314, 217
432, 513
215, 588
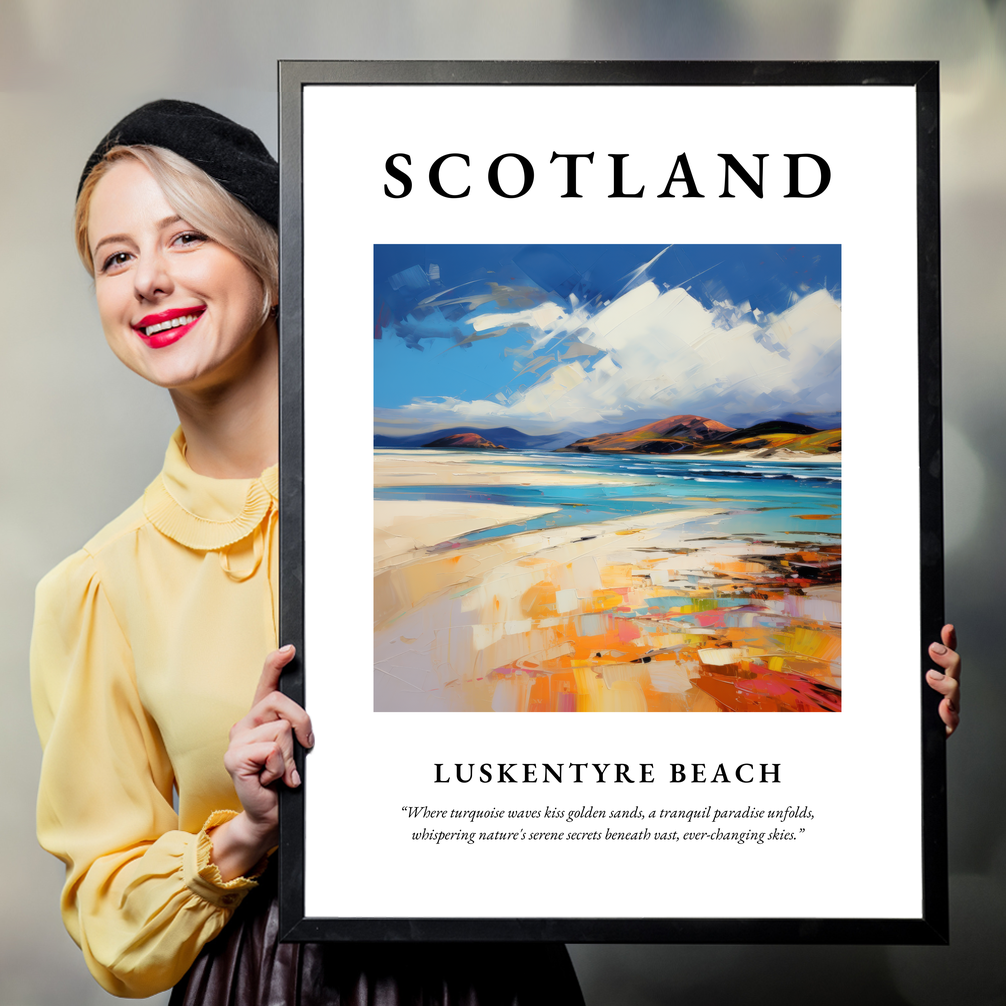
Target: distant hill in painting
698, 435
684, 434
464, 441
503, 436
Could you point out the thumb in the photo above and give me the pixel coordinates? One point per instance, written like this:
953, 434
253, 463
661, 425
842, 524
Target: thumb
271, 671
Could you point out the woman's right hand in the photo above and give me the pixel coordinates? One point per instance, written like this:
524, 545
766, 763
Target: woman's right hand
260, 753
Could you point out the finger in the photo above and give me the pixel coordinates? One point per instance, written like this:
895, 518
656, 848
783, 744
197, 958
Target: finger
279, 732
273, 708
949, 636
945, 685
271, 670
948, 659
949, 707
274, 766
276, 706
259, 760
950, 716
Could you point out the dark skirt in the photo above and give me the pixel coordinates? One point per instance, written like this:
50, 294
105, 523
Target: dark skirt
246, 965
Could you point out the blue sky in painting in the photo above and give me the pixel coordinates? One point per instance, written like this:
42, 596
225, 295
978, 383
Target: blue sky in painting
594, 338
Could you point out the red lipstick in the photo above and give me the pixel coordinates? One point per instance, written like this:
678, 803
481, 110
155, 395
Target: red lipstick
166, 327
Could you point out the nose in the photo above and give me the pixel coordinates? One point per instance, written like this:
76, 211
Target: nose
152, 276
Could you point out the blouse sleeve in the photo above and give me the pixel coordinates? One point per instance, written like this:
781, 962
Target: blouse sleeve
141, 898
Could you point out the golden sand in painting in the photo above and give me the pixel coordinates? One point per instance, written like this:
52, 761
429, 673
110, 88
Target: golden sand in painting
635, 614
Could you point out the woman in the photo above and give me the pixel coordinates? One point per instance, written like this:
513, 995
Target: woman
149, 642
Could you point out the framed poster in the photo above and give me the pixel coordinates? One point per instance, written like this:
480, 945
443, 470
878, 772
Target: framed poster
652, 356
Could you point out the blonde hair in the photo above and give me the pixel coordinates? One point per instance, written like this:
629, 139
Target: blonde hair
199, 200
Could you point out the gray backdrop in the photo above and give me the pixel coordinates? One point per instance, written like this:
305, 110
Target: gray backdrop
82, 436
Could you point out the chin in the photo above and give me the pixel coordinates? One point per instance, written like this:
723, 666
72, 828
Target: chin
170, 374
191, 364
194, 378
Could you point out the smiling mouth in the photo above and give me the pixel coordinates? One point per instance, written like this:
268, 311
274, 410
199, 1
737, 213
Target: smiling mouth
185, 319
167, 321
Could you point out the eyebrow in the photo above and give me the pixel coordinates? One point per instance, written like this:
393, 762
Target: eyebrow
111, 238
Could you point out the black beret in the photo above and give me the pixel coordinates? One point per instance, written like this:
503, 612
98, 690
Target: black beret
230, 154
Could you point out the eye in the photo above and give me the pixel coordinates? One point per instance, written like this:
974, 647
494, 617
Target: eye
189, 239
115, 261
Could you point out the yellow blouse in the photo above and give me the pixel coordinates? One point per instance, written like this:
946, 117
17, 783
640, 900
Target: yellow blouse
147, 647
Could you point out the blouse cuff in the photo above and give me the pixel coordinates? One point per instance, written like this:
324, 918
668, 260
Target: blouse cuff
202, 876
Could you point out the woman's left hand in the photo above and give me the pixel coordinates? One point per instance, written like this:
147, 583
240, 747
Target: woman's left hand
947, 682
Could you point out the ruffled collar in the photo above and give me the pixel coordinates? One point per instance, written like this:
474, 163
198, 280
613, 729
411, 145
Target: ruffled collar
203, 513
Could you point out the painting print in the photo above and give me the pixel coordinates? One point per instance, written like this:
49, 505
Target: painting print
607, 478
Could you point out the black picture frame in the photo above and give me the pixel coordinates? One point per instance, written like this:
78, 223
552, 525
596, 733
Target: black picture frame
932, 926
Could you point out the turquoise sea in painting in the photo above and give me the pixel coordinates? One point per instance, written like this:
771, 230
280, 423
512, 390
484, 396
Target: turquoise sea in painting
768, 500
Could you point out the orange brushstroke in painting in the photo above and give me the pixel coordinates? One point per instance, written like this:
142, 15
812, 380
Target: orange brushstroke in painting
768, 668
587, 625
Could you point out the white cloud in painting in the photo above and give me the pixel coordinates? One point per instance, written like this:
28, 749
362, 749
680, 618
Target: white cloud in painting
648, 354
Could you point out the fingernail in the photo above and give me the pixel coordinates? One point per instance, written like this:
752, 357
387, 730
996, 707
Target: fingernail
295, 777
936, 675
938, 648
287, 649
310, 740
